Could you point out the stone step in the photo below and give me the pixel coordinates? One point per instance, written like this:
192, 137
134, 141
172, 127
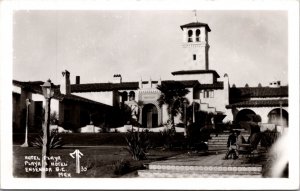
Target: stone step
217, 145
227, 135
197, 174
217, 149
217, 141
224, 168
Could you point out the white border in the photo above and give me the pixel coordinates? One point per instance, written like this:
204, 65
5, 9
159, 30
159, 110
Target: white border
7, 181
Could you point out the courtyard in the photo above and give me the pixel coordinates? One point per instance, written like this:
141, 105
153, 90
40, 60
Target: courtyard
96, 162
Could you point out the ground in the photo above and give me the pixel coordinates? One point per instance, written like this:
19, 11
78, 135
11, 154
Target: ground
96, 162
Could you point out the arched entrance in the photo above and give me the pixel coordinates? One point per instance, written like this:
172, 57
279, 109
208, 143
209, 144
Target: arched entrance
244, 119
149, 116
244, 115
274, 117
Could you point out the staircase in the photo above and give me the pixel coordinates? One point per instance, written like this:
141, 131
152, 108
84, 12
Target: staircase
219, 142
211, 166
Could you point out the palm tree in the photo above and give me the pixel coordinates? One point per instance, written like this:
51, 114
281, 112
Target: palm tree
173, 95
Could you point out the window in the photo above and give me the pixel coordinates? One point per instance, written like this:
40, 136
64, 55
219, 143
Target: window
190, 35
194, 56
208, 94
131, 95
197, 35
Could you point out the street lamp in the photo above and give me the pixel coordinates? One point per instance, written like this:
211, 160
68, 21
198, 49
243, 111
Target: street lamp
25, 144
48, 91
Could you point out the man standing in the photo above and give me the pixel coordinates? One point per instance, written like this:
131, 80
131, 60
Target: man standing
231, 145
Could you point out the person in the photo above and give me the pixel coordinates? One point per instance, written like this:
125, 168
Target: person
231, 145
240, 140
241, 143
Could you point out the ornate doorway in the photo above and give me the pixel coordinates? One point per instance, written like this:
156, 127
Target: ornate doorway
149, 116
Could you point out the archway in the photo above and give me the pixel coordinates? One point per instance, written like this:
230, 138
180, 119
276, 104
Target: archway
149, 116
274, 117
244, 115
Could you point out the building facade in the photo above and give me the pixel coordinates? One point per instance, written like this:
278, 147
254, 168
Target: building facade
208, 92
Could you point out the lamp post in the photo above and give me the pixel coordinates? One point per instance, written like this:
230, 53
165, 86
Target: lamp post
185, 125
25, 144
48, 91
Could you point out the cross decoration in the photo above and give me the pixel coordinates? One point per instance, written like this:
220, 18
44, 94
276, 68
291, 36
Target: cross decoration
195, 11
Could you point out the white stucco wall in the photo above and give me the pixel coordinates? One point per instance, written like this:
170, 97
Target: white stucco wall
54, 102
16, 89
195, 49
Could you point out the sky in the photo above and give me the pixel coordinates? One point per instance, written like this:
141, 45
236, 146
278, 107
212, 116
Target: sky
250, 46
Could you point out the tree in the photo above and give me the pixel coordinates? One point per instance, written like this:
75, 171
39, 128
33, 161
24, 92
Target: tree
173, 95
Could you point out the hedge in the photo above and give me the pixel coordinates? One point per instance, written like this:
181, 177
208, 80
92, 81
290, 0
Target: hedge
94, 139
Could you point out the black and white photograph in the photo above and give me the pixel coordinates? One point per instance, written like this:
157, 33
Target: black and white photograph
180, 96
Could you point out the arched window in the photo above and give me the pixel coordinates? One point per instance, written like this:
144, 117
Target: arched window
131, 95
197, 35
190, 35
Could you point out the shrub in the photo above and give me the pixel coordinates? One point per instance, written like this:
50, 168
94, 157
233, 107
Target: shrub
268, 138
55, 140
121, 167
168, 135
137, 144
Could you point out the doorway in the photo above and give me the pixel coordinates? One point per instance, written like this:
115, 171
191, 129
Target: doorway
149, 116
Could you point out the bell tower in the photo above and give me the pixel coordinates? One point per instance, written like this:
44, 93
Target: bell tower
195, 45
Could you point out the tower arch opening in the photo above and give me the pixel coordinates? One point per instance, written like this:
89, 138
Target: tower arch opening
198, 35
190, 36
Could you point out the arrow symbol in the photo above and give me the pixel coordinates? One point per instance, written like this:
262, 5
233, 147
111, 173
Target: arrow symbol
78, 155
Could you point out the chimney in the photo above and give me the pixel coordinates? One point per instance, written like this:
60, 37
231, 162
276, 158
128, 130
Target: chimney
274, 84
117, 78
65, 85
77, 79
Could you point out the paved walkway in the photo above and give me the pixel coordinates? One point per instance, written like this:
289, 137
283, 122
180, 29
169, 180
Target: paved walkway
212, 165
209, 160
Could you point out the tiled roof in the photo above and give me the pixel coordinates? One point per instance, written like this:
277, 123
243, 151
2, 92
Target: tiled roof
35, 87
259, 103
183, 72
186, 83
195, 24
96, 87
216, 85
81, 99
252, 92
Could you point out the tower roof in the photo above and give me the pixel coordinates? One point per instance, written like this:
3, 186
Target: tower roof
195, 24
